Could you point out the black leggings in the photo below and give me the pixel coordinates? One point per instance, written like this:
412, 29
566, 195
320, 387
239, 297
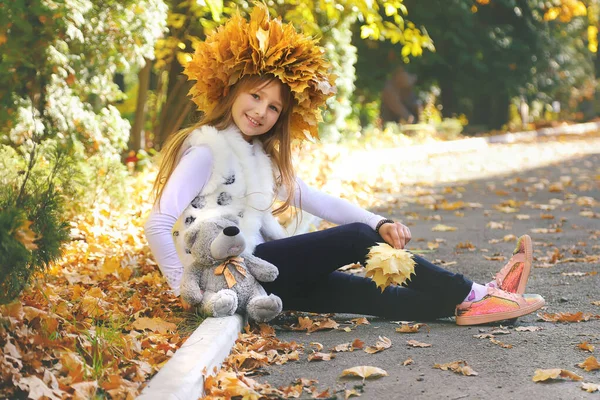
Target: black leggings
308, 280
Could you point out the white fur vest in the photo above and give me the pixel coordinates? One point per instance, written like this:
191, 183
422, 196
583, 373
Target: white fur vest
241, 184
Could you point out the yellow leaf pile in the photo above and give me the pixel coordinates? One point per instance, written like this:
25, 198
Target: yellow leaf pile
386, 265
263, 46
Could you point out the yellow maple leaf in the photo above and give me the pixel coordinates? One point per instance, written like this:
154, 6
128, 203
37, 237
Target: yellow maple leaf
386, 265
365, 371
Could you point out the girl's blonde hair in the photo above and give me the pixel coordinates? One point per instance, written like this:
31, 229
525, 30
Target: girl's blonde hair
276, 142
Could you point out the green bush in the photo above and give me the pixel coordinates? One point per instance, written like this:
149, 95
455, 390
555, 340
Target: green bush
33, 222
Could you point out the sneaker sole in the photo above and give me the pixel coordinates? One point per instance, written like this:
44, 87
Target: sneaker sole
487, 318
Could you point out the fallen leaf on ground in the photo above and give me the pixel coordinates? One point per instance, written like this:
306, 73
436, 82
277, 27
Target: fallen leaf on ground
350, 393
414, 343
318, 346
320, 356
408, 328
308, 325
590, 364
365, 372
499, 343
382, 344
408, 361
360, 321
459, 367
567, 317
590, 387
443, 228
155, 324
528, 328
542, 375
586, 346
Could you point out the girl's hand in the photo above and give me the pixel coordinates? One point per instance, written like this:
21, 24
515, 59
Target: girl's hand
396, 235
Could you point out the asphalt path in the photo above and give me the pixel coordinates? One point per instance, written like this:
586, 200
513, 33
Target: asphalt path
558, 205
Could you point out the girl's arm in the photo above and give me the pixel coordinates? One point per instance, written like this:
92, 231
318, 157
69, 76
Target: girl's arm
188, 179
340, 211
331, 208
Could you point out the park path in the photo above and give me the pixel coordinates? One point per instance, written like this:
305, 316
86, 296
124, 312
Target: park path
549, 189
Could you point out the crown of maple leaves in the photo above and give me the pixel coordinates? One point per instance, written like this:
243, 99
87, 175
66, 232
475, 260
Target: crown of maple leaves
261, 46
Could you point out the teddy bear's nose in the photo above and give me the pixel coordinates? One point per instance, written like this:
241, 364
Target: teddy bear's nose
231, 231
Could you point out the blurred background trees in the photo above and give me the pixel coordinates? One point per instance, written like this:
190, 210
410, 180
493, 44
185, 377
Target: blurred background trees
87, 87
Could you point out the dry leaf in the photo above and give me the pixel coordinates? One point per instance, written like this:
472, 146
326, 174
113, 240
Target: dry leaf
459, 367
499, 343
320, 356
545, 374
350, 393
408, 361
590, 387
360, 321
316, 345
528, 328
365, 372
414, 343
590, 364
567, 317
586, 346
382, 344
408, 328
443, 228
155, 324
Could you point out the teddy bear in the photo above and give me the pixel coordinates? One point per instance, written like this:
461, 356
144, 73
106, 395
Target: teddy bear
224, 278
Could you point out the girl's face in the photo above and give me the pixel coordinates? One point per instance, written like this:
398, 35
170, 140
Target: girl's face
256, 111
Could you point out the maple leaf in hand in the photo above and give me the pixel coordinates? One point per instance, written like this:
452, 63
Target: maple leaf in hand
386, 265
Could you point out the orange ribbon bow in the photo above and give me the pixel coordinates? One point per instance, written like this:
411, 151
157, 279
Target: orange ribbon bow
237, 263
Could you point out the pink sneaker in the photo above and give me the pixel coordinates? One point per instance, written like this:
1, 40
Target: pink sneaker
497, 305
513, 276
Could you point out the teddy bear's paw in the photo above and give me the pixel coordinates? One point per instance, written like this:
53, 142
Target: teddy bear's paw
266, 273
225, 302
264, 308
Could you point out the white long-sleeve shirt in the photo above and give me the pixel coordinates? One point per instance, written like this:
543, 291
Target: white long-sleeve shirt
189, 178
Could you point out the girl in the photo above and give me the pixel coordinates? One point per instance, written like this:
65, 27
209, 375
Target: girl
260, 84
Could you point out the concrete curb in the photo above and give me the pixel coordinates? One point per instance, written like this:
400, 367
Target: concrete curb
182, 377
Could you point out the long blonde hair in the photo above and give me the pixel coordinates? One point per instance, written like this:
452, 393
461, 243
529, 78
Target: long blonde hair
276, 142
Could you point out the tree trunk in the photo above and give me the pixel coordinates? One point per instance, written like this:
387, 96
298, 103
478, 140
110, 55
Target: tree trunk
136, 140
177, 105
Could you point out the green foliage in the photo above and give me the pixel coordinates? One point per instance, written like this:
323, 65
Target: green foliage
485, 55
33, 222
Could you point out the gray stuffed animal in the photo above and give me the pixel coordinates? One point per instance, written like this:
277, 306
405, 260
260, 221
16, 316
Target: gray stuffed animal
224, 279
